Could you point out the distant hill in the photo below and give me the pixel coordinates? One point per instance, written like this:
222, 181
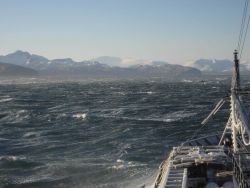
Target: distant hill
161, 69
7, 69
94, 69
41, 63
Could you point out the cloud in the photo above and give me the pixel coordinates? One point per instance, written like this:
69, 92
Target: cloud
131, 61
125, 62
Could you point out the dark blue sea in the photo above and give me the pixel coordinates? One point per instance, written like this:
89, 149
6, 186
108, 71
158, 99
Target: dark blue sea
99, 134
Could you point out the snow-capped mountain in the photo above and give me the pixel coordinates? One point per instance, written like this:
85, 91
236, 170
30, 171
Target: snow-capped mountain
216, 66
108, 68
25, 59
41, 63
162, 68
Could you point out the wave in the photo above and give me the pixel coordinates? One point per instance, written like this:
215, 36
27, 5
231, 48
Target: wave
21, 115
172, 117
80, 116
123, 140
10, 158
121, 164
15, 116
17, 162
136, 93
6, 100
120, 93
146, 92
30, 134
56, 108
3, 115
62, 115
141, 119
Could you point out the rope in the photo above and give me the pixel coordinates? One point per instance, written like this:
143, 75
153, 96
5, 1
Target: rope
217, 107
244, 39
242, 24
194, 135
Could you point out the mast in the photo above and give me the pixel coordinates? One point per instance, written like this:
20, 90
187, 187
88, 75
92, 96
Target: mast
236, 73
240, 125
234, 107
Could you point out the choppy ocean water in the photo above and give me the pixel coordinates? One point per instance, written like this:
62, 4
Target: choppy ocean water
112, 134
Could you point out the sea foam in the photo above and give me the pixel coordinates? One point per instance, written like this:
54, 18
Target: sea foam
80, 116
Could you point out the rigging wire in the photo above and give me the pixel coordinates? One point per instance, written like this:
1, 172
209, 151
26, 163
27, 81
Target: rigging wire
240, 48
204, 123
193, 135
242, 24
244, 38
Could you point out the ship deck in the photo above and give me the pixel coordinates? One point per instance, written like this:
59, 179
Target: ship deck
187, 166
202, 161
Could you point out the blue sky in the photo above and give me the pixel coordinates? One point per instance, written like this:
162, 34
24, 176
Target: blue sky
173, 30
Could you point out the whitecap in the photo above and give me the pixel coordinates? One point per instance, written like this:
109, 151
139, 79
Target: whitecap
168, 120
11, 158
146, 92
122, 164
117, 167
6, 100
22, 111
80, 116
22, 114
187, 81
62, 115
150, 92
119, 161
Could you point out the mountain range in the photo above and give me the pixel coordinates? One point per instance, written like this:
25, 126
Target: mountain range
103, 67
24, 63
7, 69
